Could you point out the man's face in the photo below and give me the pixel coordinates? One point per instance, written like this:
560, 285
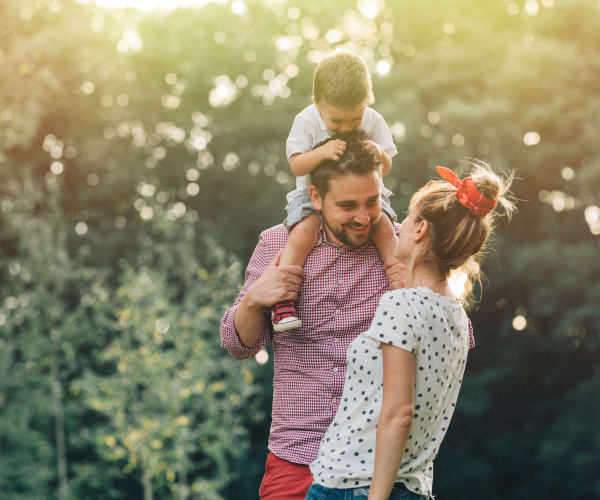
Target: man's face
341, 120
350, 208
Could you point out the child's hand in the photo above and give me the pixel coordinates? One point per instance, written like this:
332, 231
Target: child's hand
333, 150
384, 159
374, 145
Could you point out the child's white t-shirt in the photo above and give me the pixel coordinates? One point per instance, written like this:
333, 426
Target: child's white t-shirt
434, 328
308, 130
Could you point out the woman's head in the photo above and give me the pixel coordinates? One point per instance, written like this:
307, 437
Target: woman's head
455, 236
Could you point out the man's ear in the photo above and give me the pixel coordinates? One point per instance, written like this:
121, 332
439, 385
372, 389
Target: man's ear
316, 199
421, 230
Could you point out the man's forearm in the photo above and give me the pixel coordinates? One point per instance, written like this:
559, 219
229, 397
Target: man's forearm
249, 321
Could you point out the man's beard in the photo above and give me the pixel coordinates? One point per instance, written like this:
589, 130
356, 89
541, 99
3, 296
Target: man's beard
345, 238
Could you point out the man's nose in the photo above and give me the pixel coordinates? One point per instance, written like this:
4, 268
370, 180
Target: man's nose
362, 216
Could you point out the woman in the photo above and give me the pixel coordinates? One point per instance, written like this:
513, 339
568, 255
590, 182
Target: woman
404, 373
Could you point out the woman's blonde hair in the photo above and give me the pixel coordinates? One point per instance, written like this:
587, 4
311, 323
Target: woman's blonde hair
457, 237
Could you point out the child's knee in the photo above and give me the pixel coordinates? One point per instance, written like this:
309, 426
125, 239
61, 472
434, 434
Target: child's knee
308, 228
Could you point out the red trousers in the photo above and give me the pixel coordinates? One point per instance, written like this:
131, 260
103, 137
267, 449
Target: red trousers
284, 480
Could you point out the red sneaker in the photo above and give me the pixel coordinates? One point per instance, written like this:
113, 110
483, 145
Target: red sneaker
284, 316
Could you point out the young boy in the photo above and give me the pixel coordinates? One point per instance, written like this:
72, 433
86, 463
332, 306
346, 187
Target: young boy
342, 89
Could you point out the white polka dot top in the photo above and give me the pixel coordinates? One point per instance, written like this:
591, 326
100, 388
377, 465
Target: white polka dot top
435, 329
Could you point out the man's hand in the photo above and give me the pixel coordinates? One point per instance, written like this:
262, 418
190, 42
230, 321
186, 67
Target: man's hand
395, 272
333, 150
277, 283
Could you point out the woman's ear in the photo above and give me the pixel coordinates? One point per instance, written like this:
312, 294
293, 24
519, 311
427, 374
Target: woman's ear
316, 199
421, 230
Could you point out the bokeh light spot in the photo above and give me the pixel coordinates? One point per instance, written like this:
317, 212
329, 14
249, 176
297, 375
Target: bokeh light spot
448, 28
192, 189
519, 323
567, 173
531, 7
369, 8
81, 228
223, 93
513, 9
146, 213
238, 8
458, 140
433, 117
398, 130
56, 168
531, 138
262, 357
383, 67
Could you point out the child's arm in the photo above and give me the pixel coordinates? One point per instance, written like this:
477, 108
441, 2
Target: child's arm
304, 163
386, 162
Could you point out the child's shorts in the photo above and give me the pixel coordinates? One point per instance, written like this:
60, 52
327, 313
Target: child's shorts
301, 207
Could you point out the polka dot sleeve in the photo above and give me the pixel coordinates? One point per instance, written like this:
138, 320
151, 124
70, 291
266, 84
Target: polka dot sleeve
394, 322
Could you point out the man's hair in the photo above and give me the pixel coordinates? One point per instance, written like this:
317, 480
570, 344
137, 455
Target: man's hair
343, 80
360, 158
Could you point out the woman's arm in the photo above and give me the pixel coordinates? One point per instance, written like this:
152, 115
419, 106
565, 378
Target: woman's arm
395, 420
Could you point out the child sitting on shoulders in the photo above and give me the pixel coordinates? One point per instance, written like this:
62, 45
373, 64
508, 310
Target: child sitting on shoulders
342, 91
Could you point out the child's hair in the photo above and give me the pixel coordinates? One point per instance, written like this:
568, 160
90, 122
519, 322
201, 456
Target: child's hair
457, 237
343, 80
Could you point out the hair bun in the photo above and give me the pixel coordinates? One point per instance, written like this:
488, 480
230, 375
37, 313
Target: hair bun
493, 186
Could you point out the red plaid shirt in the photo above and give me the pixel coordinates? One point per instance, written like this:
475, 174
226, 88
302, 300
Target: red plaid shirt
339, 294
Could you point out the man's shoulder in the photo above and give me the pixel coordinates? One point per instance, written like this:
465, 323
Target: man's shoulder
275, 236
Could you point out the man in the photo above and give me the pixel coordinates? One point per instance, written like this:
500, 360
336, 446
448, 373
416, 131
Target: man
337, 294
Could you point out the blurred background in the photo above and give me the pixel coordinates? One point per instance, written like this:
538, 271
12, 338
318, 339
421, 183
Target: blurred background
142, 151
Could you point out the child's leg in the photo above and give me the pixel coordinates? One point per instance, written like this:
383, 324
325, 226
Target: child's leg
385, 239
301, 240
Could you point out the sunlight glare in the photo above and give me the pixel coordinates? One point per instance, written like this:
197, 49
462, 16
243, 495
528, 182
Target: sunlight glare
149, 5
457, 283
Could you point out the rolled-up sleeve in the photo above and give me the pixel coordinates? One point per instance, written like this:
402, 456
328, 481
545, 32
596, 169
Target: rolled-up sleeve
230, 338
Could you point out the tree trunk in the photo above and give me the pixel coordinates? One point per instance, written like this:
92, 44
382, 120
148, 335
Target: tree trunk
59, 420
147, 483
184, 489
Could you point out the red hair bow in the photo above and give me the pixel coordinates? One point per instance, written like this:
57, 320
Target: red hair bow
467, 193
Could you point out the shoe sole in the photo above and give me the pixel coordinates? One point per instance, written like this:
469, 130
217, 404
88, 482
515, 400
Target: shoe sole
287, 326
